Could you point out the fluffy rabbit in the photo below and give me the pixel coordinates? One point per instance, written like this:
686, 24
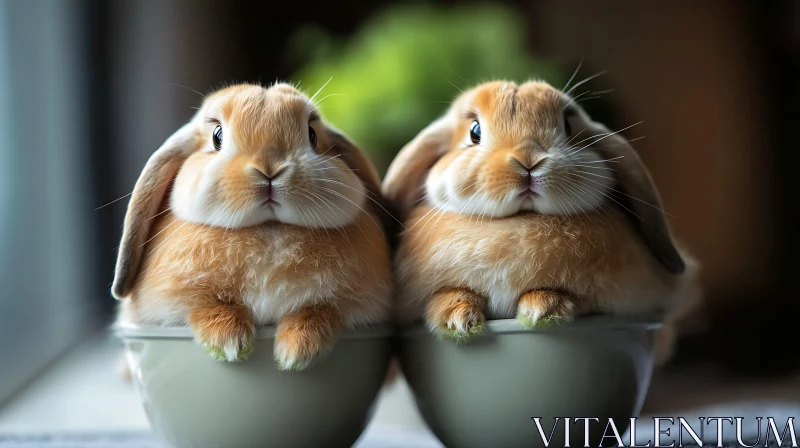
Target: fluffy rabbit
256, 212
516, 203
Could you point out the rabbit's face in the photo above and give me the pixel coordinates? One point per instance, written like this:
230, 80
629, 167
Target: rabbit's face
518, 148
264, 155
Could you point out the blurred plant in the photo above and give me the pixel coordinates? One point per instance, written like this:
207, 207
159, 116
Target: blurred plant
405, 65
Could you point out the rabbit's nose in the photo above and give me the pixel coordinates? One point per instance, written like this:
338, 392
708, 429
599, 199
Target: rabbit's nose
529, 165
274, 173
271, 174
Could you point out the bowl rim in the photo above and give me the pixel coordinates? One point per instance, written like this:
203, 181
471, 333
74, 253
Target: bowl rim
133, 331
497, 326
598, 322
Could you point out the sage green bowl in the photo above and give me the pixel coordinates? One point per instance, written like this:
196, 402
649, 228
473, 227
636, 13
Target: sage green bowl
486, 392
192, 400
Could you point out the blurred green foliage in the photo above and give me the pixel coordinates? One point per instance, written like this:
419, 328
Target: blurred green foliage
406, 64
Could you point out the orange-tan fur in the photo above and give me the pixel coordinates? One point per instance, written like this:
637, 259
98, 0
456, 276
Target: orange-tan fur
272, 269
594, 258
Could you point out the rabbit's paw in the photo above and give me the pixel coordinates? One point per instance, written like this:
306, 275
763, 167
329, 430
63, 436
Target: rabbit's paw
545, 308
456, 313
304, 334
225, 331
230, 352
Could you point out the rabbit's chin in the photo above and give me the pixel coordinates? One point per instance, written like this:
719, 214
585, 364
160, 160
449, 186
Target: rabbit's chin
311, 215
550, 204
545, 203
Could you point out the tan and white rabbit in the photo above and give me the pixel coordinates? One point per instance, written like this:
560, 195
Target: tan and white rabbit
516, 203
256, 212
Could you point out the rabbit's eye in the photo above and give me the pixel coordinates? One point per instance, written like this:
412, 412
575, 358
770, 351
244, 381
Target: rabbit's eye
567, 128
312, 137
475, 132
217, 137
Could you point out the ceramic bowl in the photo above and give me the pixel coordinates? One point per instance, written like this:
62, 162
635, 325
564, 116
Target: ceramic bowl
192, 400
488, 391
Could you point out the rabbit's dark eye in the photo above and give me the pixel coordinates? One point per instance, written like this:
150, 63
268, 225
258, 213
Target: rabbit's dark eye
312, 137
217, 137
475, 132
567, 128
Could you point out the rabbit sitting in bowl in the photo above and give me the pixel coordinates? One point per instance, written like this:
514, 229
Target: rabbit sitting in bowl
254, 213
516, 203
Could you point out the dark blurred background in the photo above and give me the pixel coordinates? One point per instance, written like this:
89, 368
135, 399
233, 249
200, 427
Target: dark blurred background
89, 88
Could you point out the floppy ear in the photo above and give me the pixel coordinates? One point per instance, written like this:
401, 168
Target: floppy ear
357, 161
405, 179
147, 196
639, 195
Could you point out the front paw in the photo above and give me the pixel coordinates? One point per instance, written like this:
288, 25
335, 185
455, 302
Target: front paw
232, 351
545, 308
456, 314
225, 331
305, 334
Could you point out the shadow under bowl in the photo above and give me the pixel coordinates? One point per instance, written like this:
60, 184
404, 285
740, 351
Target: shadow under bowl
191, 400
488, 391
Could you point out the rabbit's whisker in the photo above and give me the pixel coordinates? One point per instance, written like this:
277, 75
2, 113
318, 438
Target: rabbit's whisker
319, 156
158, 214
301, 206
589, 189
189, 89
576, 144
609, 134
326, 160
584, 81
594, 94
365, 195
328, 96
327, 203
605, 160
577, 69
203, 226
167, 227
320, 89
350, 201
123, 197
448, 81
624, 194
355, 221
575, 98
591, 167
312, 210
612, 198
437, 211
574, 136
170, 235
462, 78
575, 186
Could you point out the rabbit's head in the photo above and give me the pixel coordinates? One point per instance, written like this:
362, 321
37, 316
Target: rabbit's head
250, 155
504, 148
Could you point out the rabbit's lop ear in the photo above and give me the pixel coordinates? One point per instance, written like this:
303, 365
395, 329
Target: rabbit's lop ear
147, 196
639, 196
357, 161
405, 180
